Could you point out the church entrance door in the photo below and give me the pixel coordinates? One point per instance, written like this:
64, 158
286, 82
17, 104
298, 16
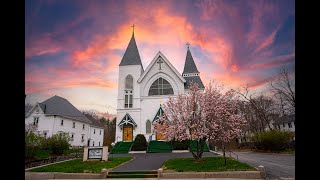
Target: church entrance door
127, 133
159, 136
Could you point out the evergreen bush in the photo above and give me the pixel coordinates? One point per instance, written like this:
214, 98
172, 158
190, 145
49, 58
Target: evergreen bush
140, 143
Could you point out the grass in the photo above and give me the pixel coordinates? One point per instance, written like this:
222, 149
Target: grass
78, 166
209, 164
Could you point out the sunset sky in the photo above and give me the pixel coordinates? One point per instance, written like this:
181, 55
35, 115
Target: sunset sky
73, 48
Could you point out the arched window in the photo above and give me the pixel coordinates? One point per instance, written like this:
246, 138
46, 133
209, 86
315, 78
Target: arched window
160, 87
148, 126
129, 82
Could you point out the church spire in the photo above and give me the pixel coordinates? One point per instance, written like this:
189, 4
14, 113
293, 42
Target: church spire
131, 55
189, 65
190, 71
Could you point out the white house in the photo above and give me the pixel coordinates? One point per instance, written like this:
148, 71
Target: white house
286, 123
57, 114
142, 91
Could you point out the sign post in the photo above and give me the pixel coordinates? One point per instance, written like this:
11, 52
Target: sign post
95, 153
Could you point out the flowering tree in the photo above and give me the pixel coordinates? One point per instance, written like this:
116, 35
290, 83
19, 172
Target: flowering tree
201, 115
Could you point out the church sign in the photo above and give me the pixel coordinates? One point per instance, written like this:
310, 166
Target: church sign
95, 153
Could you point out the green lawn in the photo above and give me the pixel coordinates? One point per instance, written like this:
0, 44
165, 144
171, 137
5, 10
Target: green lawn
208, 164
77, 166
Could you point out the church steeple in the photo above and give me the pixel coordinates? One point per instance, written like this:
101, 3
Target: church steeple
189, 66
131, 55
190, 71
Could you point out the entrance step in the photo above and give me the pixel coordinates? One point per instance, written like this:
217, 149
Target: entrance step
132, 174
121, 148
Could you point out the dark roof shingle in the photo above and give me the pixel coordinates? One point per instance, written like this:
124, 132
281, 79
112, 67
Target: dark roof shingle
59, 106
131, 55
195, 79
285, 119
189, 66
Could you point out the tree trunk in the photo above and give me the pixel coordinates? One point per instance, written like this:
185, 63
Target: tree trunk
202, 147
190, 147
224, 154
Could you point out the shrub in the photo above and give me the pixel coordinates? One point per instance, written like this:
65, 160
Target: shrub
140, 143
33, 143
273, 140
247, 145
58, 143
180, 145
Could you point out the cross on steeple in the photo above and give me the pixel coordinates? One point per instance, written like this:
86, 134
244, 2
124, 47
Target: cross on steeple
188, 44
132, 28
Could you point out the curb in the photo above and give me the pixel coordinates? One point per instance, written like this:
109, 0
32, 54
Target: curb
224, 174
216, 152
137, 152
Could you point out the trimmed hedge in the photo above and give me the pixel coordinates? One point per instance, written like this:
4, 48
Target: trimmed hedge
273, 140
140, 143
180, 145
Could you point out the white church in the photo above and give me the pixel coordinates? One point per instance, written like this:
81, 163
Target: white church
142, 91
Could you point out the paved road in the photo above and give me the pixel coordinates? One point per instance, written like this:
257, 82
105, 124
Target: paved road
151, 161
277, 166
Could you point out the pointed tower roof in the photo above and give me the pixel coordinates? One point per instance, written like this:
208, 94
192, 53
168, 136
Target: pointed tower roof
189, 66
131, 56
190, 71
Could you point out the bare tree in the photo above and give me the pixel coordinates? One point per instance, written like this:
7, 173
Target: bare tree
284, 91
259, 110
91, 113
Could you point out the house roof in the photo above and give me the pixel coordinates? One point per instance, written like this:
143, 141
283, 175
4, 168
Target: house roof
131, 55
285, 119
59, 106
27, 109
94, 121
195, 79
189, 65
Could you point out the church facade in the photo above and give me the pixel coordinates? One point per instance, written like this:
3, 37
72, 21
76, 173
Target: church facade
142, 91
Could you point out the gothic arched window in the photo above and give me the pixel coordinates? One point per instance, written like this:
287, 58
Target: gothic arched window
160, 87
129, 82
148, 126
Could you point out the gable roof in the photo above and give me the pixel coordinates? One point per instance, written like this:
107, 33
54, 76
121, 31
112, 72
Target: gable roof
131, 55
59, 106
166, 61
195, 79
285, 119
159, 113
27, 109
189, 65
94, 121
127, 119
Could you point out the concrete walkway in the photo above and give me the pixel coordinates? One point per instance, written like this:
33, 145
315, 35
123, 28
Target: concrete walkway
151, 161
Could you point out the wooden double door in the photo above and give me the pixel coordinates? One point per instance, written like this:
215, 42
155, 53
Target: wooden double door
127, 133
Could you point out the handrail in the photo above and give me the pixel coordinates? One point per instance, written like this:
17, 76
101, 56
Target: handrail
233, 153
